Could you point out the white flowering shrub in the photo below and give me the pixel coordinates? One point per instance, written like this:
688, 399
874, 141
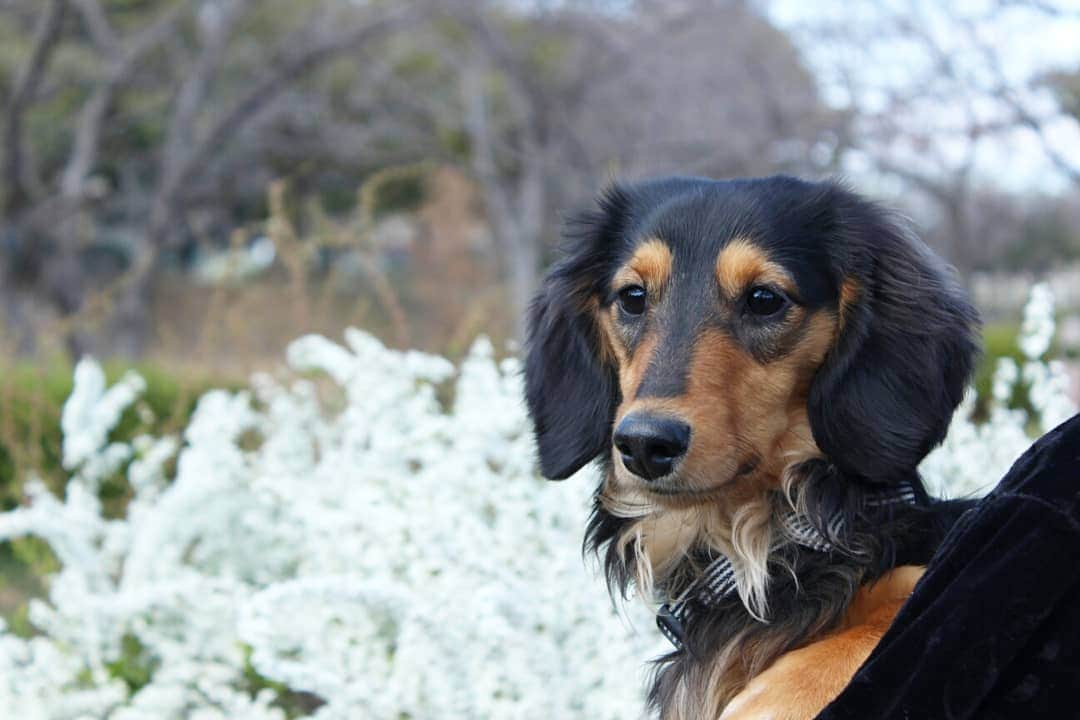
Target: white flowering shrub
338, 535
975, 456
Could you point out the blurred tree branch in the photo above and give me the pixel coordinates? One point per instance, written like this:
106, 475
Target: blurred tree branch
929, 125
198, 128
121, 60
187, 156
19, 178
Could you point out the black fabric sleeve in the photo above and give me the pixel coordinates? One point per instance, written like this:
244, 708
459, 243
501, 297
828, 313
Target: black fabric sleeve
993, 628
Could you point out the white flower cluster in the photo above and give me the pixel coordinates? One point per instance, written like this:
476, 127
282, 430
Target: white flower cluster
341, 531
975, 456
344, 534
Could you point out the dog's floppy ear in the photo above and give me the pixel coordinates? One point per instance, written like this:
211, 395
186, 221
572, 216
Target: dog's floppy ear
905, 350
571, 385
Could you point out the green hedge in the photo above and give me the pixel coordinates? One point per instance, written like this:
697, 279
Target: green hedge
31, 401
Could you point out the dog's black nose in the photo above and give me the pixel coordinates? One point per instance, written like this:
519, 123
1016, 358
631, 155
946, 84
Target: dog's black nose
650, 446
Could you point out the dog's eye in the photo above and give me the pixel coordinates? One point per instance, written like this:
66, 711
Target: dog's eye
763, 301
632, 299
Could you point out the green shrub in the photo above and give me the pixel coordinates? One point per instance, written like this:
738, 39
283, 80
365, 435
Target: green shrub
999, 340
32, 397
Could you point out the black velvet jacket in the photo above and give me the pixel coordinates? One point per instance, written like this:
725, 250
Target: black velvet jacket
993, 628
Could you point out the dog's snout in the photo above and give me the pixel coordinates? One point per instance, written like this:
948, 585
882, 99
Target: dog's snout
649, 446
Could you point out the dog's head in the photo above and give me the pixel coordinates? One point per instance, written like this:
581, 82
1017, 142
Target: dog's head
700, 335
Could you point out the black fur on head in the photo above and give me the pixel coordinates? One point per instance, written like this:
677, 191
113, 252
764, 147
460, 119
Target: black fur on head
570, 390
888, 389
900, 343
886, 394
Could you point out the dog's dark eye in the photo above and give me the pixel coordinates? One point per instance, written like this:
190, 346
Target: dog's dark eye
632, 299
763, 301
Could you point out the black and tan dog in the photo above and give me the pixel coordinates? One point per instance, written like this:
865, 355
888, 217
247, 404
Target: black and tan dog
759, 365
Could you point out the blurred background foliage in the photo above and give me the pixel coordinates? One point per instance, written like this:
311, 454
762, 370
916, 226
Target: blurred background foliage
187, 185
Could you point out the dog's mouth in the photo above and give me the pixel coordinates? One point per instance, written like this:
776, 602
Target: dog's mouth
678, 488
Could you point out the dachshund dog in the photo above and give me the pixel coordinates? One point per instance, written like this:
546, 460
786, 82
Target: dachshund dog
759, 366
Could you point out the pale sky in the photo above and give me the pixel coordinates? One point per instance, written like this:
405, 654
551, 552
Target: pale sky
1026, 42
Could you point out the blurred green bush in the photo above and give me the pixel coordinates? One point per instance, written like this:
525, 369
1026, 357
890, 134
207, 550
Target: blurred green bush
32, 397
31, 401
999, 341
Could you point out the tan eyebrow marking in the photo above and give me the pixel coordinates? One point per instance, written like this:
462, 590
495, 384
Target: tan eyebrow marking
742, 263
650, 265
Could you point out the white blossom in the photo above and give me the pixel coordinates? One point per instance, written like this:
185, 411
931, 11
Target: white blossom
370, 546
92, 411
1037, 328
975, 456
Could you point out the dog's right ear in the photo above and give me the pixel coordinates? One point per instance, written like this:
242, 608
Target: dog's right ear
571, 384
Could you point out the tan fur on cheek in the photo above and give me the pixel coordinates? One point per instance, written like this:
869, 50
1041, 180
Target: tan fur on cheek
633, 371
717, 372
736, 406
796, 444
612, 350
849, 295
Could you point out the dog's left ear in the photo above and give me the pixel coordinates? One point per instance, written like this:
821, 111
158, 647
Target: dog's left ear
571, 390
906, 347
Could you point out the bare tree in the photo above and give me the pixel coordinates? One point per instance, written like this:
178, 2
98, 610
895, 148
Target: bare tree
540, 105
631, 94
19, 177
42, 212
929, 123
187, 154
